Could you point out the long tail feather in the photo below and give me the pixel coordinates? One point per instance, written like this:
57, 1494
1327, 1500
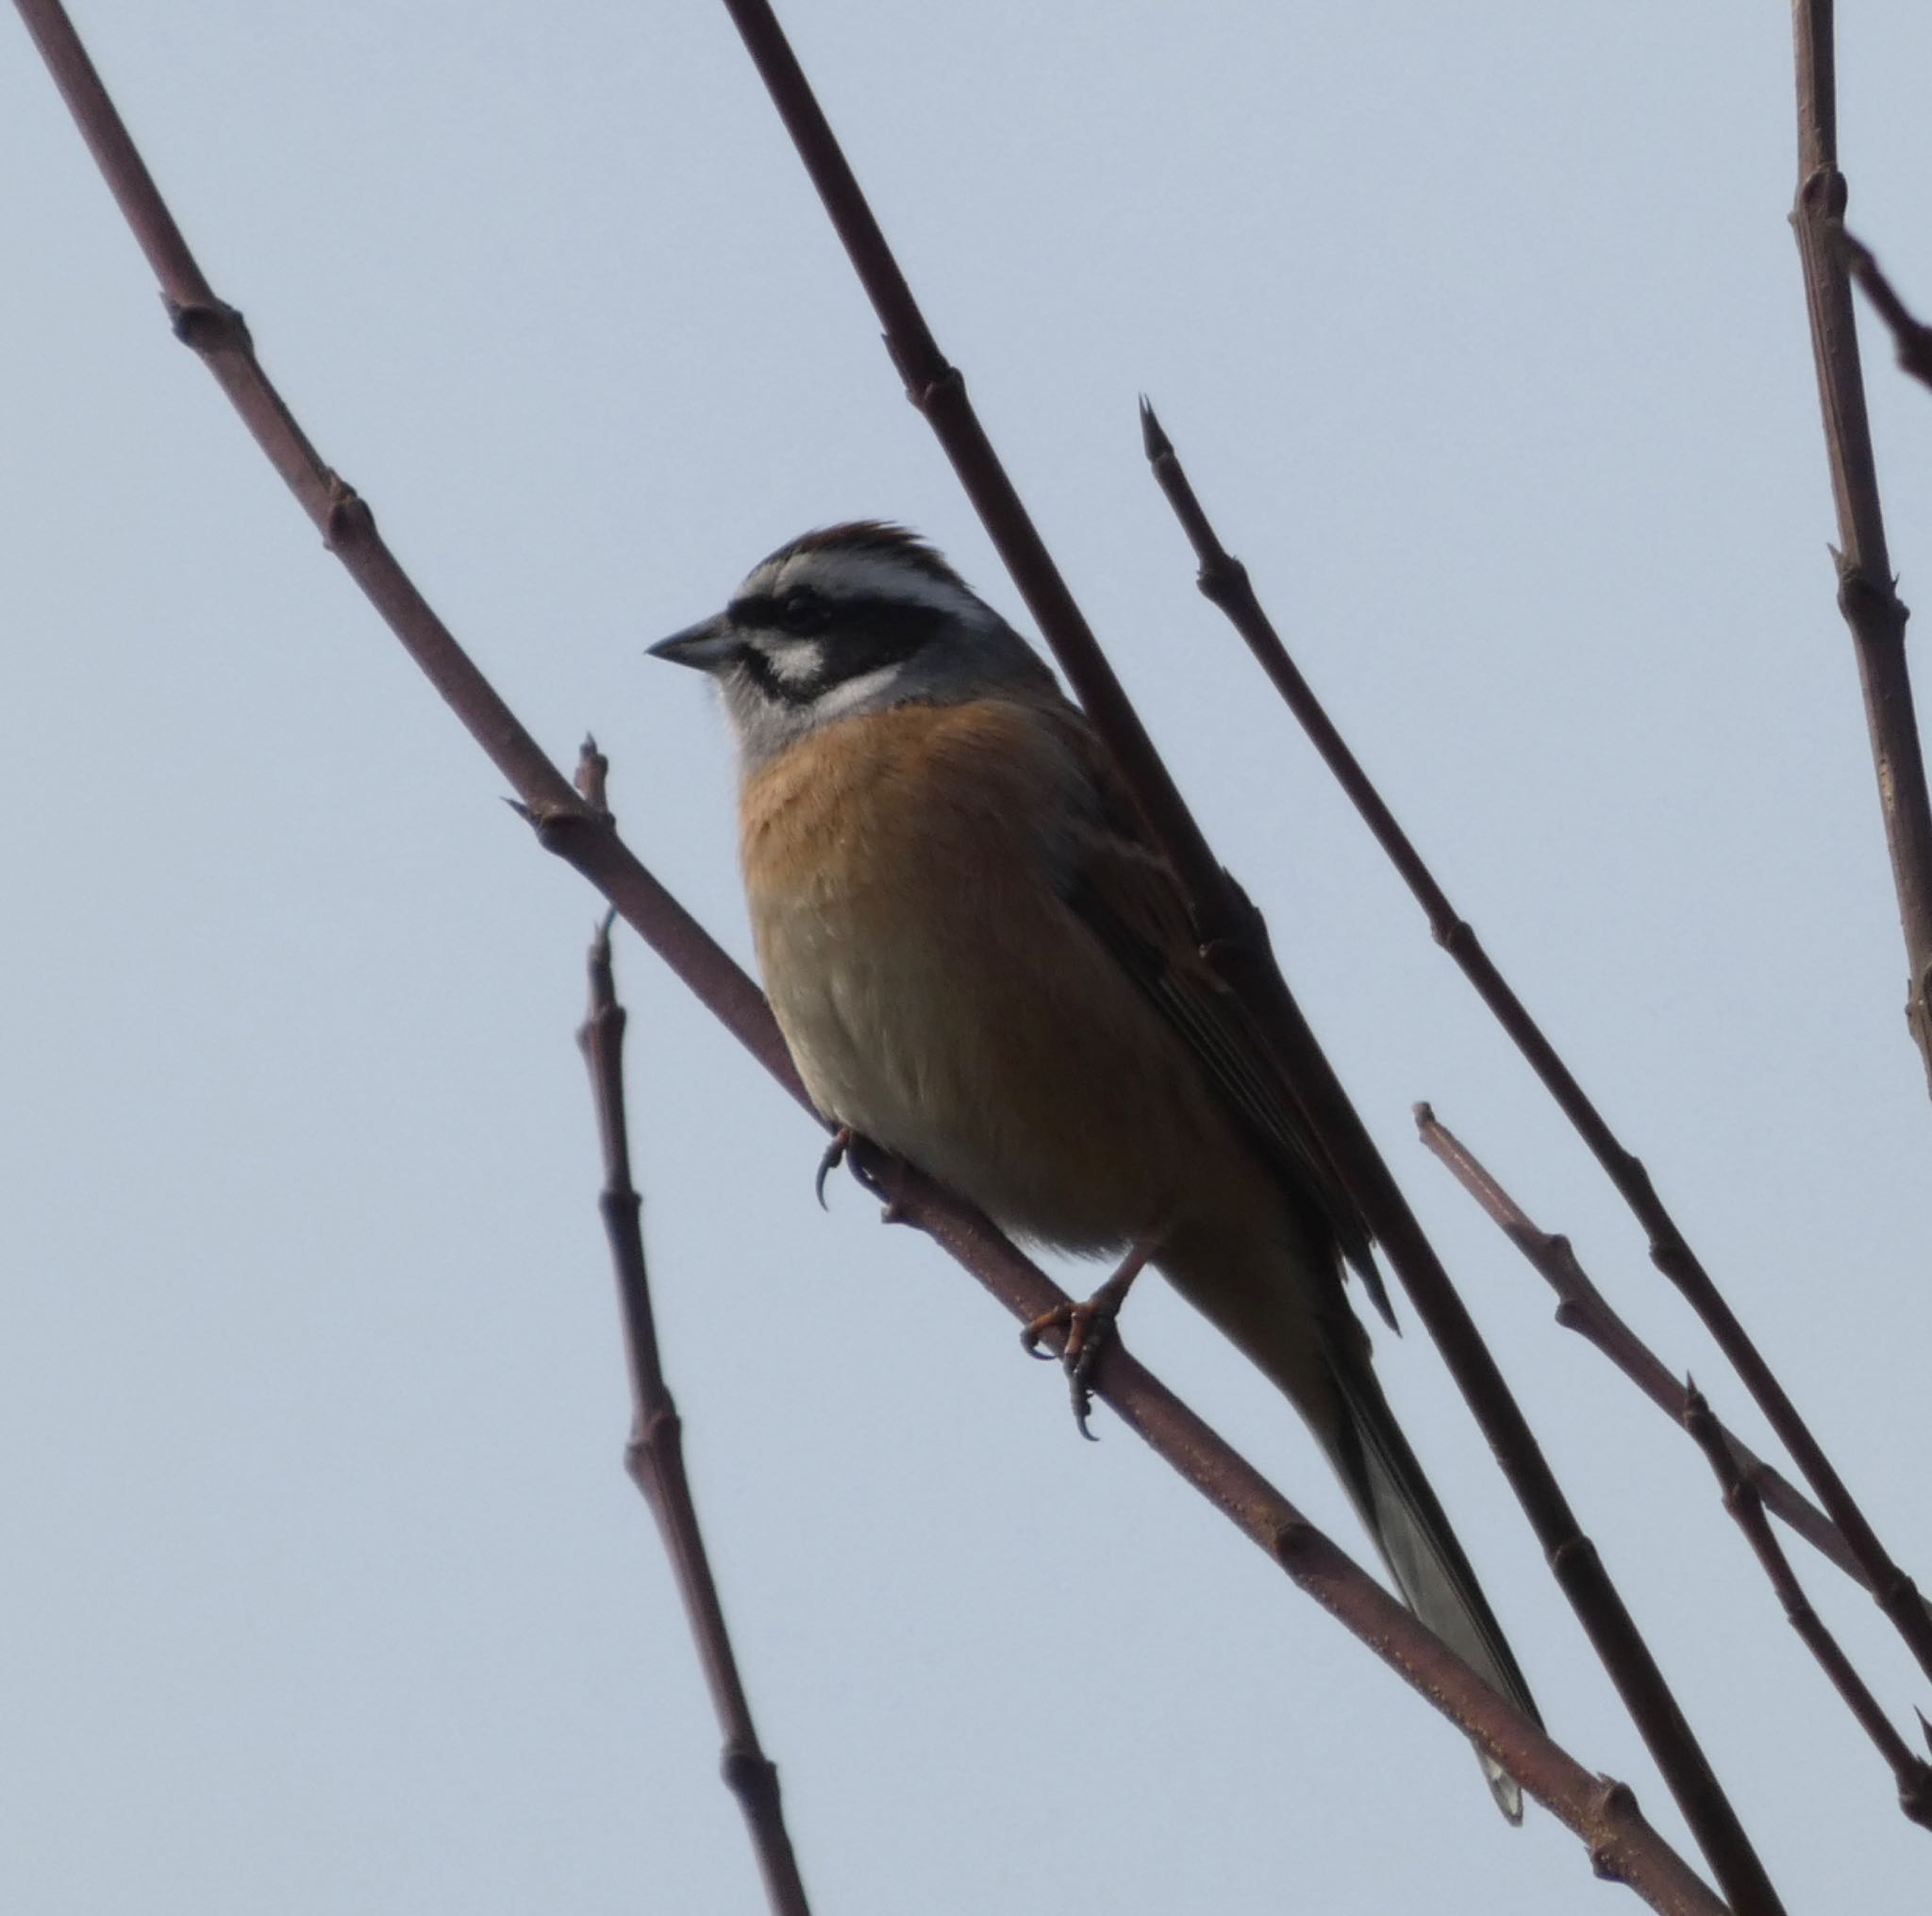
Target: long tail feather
1406, 1521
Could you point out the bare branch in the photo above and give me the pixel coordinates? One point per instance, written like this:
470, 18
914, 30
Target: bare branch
1603, 1812
1235, 940
1913, 1774
1596, 1809
1866, 593
655, 1455
1225, 581
1912, 337
1582, 1307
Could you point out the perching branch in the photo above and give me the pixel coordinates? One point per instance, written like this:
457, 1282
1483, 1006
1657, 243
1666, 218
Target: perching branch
1866, 592
1582, 1307
1225, 581
1603, 1813
655, 1455
1596, 1809
1911, 336
1912, 1773
1235, 941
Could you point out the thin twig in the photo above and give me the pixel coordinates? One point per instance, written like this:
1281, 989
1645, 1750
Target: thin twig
1866, 592
1596, 1809
1910, 336
1582, 1307
1912, 1773
654, 1457
1235, 941
1603, 1813
566, 825
1225, 581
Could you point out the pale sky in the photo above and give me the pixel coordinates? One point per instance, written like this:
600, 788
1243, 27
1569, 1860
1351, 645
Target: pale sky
1481, 333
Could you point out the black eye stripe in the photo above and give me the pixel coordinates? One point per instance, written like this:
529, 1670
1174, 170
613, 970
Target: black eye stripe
860, 635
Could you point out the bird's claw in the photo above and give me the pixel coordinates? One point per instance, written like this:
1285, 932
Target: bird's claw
1086, 1326
876, 1168
833, 1156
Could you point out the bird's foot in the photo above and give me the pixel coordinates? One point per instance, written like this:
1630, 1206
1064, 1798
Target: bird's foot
1088, 1325
872, 1165
833, 1156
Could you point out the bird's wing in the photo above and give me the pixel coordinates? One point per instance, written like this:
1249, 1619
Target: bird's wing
1123, 889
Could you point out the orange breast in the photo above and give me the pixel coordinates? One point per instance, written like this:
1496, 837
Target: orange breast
903, 872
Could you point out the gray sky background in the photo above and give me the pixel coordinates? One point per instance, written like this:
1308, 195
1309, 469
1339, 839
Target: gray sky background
1480, 331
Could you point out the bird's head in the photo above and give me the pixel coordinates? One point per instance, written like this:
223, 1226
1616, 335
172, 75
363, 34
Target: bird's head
853, 619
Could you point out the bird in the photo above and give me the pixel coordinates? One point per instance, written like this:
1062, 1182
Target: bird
982, 963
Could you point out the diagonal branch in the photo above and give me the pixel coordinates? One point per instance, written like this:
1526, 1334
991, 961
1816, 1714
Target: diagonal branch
1912, 1773
1910, 336
1596, 1809
1582, 1307
655, 1455
1235, 940
1225, 581
1602, 1813
1866, 593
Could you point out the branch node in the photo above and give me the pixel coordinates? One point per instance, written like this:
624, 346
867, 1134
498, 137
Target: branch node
1900, 1598
1574, 1556
1823, 194
560, 824
209, 326
1223, 580
1611, 1804
347, 518
1868, 602
748, 1772
946, 385
655, 1445
615, 1206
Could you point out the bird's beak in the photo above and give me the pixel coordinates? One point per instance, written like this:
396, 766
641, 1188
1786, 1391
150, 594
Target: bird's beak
705, 647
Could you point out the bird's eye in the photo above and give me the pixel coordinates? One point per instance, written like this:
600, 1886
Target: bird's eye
804, 613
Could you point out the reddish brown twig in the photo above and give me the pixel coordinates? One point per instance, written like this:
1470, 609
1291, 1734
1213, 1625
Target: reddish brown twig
1225, 581
1236, 942
655, 1455
1866, 593
1582, 1307
565, 824
1912, 1773
1601, 1811
1622, 1845
1911, 336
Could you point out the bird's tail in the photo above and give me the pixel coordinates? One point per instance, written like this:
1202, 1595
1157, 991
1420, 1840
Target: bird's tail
1402, 1515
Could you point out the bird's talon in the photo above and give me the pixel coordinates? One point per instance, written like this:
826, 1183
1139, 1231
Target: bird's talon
1086, 1326
833, 1156
1034, 1333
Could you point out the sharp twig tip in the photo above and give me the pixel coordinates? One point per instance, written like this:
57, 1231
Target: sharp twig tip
1152, 440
